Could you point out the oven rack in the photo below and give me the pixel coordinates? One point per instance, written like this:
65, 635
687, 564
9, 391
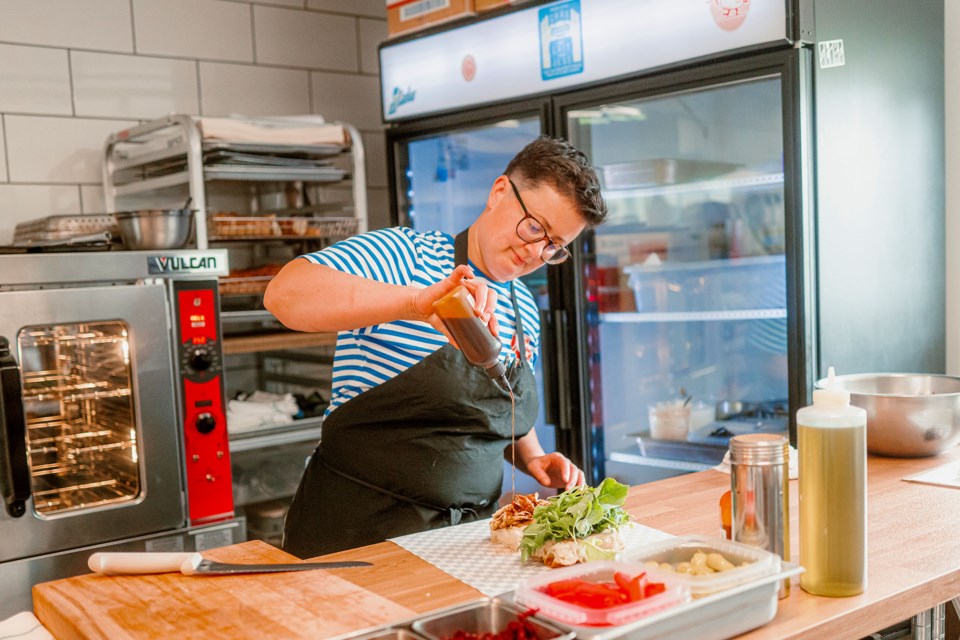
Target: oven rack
78, 490
54, 385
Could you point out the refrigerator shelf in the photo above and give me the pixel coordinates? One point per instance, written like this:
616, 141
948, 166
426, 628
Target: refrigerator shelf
722, 184
695, 316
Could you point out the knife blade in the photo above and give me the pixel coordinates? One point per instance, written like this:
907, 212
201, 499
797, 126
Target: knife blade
189, 564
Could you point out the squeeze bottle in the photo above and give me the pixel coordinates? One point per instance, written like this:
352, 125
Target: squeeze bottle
832, 449
478, 345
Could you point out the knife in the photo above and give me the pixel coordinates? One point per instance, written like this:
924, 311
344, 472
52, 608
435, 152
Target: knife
189, 564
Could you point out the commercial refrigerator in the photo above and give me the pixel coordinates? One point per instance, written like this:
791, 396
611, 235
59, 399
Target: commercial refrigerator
774, 175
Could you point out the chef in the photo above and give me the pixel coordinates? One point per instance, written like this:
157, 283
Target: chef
414, 435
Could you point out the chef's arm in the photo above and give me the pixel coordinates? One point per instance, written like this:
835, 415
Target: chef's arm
306, 296
549, 469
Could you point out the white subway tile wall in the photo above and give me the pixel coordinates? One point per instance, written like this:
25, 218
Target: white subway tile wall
74, 71
253, 91
51, 149
3, 157
101, 25
34, 80
111, 85
292, 38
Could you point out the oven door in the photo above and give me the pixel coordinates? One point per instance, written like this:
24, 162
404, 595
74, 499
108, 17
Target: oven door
99, 416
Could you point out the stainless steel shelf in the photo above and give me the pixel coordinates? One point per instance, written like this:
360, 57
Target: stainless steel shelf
663, 463
695, 316
256, 315
305, 430
723, 184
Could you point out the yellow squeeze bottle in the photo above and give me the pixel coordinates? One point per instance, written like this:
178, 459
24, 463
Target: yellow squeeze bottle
832, 450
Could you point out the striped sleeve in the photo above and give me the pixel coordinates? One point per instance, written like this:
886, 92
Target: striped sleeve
384, 255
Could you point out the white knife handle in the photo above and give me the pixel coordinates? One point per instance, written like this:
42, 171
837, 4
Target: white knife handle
116, 564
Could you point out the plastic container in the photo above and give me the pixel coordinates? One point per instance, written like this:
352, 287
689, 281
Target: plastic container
530, 593
751, 562
669, 420
832, 448
478, 345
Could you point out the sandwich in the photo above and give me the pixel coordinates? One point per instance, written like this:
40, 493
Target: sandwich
508, 523
578, 525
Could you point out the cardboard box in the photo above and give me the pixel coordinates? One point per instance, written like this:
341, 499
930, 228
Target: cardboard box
404, 16
490, 5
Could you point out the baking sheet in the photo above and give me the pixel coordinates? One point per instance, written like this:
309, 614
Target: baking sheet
466, 553
946, 475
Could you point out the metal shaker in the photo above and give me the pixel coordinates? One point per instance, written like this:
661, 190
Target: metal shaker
759, 476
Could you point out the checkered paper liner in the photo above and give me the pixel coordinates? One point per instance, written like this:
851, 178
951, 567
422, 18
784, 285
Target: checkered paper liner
466, 553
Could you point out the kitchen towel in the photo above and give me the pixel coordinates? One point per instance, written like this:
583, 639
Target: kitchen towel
23, 626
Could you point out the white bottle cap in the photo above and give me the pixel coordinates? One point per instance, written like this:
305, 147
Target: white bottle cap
832, 395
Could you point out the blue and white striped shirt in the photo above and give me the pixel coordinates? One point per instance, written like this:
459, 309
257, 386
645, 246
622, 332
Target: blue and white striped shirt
370, 356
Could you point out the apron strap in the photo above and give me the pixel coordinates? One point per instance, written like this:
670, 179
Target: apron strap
460, 246
454, 514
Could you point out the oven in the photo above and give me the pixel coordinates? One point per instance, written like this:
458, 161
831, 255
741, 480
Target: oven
113, 426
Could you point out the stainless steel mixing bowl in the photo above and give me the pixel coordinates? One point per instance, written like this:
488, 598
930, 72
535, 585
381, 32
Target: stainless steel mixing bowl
155, 228
909, 415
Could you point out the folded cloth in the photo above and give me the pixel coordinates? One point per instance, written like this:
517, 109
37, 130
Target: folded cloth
274, 130
793, 470
23, 626
260, 409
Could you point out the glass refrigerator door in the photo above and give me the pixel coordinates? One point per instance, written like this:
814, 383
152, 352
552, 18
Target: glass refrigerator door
688, 275
446, 179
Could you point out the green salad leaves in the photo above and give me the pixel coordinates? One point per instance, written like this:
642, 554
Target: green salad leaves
575, 514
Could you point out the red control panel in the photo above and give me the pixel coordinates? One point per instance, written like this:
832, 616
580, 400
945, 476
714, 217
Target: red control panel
200, 360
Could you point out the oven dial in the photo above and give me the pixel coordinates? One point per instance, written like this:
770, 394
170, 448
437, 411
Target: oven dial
206, 423
200, 360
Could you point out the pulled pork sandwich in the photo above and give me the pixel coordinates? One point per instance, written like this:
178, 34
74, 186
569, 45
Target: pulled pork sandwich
577, 525
508, 523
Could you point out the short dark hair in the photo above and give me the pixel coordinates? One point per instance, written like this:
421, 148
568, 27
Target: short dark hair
556, 162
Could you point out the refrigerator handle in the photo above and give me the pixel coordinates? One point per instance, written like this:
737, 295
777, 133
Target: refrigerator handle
553, 328
15, 476
550, 374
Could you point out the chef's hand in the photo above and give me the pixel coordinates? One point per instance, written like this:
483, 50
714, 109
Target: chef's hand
556, 471
485, 300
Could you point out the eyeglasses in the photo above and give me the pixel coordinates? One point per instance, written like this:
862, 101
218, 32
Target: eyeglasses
530, 230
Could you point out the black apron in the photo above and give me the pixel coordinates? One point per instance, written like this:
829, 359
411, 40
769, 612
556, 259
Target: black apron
421, 451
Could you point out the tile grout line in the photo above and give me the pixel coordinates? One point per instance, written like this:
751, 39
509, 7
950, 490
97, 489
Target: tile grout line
6, 149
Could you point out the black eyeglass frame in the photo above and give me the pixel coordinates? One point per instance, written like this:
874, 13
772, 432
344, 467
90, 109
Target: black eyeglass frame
560, 253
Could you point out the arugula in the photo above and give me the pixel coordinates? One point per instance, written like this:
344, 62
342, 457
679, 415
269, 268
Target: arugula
576, 513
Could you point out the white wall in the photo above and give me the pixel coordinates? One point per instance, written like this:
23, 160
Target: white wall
952, 153
74, 71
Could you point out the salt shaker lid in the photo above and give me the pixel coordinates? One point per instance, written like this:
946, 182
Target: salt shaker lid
759, 448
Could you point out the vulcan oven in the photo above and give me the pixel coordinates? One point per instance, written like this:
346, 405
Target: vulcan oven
112, 408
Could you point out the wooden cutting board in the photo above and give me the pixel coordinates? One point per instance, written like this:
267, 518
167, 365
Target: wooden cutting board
300, 604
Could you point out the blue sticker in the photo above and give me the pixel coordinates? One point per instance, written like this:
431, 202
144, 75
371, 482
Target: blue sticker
561, 40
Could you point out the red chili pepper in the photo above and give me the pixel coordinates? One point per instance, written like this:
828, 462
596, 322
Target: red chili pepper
654, 588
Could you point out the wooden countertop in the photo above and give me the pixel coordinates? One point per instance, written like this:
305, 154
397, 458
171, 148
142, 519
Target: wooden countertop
914, 562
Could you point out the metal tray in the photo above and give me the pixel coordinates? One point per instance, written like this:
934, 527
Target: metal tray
714, 617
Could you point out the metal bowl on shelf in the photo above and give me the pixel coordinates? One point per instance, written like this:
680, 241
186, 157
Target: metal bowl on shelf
155, 228
909, 415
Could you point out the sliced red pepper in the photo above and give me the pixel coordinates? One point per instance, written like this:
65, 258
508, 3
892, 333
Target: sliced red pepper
637, 587
622, 580
654, 588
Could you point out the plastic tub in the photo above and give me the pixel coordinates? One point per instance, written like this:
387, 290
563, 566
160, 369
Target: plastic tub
751, 563
531, 593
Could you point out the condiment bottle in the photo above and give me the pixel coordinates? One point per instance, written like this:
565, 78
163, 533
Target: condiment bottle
726, 501
759, 477
477, 343
832, 446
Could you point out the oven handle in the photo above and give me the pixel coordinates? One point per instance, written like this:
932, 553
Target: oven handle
15, 479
